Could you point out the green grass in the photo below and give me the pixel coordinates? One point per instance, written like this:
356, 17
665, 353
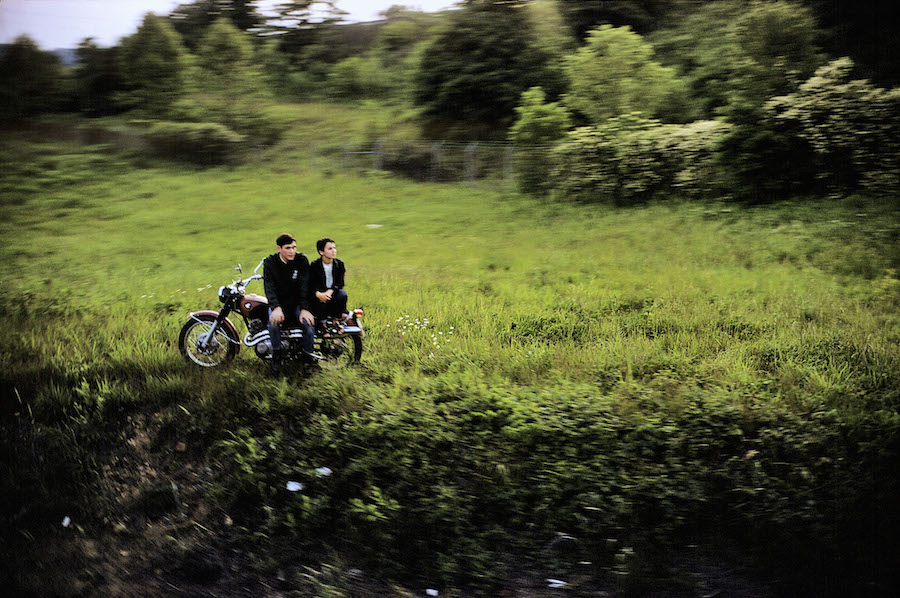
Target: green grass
527, 364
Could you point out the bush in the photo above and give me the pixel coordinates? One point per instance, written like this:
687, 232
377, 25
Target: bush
834, 134
539, 125
201, 143
850, 126
629, 159
258, 126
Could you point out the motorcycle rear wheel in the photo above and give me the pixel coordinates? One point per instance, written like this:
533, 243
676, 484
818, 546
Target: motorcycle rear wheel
340, 352
220, 351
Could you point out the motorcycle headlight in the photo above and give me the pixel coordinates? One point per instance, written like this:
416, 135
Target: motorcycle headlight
223, 294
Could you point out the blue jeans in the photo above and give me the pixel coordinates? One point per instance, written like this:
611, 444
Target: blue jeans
308, 330
332, 309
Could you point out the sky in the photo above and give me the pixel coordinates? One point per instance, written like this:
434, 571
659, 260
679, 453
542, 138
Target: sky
64, 23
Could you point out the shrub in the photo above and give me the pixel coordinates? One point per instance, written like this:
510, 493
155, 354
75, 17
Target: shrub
628, 159
259, 127
539, 125
202, 143
833, 134
850, 126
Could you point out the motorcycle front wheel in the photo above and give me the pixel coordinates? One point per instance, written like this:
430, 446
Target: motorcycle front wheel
340, 352
220, 350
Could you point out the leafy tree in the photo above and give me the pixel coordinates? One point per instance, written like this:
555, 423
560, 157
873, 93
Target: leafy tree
552, 33
98, 78
642, 16
154, 66
614, 73
225, 57
300, 23
397, 38
539, 125
776, 44
30, 80
193, 19
730, 53
699, 43
477, 68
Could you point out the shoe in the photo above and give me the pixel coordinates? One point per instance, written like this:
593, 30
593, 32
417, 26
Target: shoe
275, 364
312, 356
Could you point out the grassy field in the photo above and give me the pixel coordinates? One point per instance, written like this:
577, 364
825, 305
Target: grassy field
634, 380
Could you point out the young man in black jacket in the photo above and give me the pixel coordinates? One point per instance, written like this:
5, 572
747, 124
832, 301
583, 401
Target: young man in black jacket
328, 299
286, 280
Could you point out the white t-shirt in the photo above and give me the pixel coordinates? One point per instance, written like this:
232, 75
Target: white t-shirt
329, 278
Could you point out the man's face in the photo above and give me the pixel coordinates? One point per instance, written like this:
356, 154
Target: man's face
330, 251
288, 251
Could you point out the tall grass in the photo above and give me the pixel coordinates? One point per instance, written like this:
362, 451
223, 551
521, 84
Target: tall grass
544, 345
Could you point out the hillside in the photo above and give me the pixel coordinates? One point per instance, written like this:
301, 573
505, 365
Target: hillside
677, 398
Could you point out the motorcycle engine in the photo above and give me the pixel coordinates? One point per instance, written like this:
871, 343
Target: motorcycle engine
264, 348
256, 326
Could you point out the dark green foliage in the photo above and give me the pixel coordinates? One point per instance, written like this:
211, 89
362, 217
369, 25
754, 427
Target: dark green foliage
776, 46
833, 134
699, 43
192, 19
30, 80
202, 143
865, 32
643, 16
450, 484
762, 159
154, 67
98, 78
479, 66
730, 52
297, 28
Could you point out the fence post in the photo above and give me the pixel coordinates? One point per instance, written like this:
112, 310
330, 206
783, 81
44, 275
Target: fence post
436, 160
377, 158
470, 161
508, 162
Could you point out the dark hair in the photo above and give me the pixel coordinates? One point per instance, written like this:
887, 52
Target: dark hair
321, 243
285, 239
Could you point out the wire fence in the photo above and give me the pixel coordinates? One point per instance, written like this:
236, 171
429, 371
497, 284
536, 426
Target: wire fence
422, 160
432, 160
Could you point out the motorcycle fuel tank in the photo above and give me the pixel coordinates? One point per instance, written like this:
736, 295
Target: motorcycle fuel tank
251, 303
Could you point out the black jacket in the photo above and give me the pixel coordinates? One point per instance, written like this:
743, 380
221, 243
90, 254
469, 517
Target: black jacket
287, 285
317, 276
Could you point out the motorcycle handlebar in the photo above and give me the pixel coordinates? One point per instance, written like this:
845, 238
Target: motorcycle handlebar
244, 283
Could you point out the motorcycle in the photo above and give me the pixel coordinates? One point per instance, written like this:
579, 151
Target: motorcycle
209, 339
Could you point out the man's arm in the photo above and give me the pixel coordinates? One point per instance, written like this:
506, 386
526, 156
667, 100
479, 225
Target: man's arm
269, 285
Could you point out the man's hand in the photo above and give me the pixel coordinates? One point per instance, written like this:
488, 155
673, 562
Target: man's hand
324, 296
277, 316
306, 317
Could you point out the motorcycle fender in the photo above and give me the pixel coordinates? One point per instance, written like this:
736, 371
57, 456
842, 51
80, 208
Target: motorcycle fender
226, 322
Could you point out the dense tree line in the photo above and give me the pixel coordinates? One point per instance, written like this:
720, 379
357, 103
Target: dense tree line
649, 90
